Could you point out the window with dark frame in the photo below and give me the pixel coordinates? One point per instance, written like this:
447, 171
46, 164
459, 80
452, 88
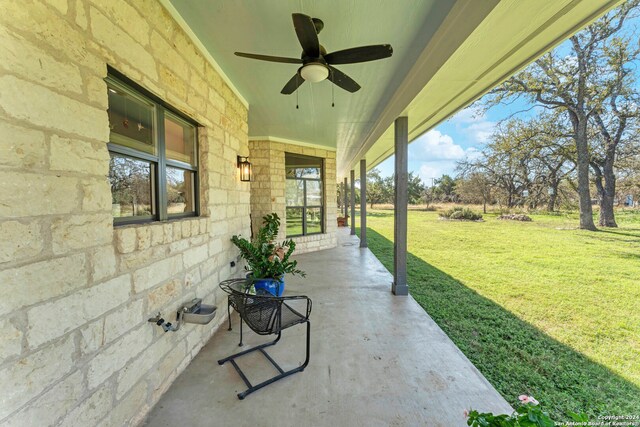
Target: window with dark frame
153, 169
304, 195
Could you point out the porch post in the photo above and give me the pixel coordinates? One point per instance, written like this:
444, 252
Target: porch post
399, 286
363, 203
353, 202
346, 205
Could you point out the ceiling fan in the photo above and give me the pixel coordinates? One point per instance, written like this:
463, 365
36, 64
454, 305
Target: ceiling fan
317, 64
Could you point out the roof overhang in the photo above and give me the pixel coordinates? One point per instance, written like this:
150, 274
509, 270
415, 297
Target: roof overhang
447, 53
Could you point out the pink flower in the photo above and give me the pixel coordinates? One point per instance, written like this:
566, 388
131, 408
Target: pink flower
524, 399
466, 413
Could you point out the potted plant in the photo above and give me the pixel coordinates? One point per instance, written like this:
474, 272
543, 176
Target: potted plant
267, 260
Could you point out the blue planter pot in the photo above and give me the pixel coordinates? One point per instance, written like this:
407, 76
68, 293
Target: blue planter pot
273, 286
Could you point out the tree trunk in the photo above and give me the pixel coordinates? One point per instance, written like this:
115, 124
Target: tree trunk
584, 194
607, 215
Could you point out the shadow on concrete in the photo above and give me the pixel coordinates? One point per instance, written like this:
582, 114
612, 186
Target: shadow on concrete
513, 355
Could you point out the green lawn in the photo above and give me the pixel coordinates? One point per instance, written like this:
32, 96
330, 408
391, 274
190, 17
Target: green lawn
540, 308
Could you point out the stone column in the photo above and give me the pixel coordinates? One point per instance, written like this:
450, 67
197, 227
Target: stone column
401, 199
363, 203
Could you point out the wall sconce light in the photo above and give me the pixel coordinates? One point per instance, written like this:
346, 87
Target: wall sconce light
245, 168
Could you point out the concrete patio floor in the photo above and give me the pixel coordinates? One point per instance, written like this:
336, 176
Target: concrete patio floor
376, 360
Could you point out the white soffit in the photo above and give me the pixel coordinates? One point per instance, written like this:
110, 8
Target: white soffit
514, 34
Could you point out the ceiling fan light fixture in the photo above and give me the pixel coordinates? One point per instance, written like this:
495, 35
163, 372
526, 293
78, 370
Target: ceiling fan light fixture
314, 72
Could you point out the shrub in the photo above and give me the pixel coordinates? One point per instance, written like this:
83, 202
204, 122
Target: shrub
461, 213
515, 217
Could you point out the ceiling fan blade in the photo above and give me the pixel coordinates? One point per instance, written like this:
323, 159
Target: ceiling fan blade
270, 58
306, 32
293, 84
359, 54
341, 79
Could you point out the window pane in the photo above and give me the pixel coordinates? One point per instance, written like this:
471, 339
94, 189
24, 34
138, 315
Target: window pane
180, 140
180, 191
298, 166
131, 187
314, 220
130, 121
295, 192
314, 193
294, 221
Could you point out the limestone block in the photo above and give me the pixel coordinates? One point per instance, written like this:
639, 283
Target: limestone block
195, 256
92, 337
95, 195
168, 55
217, 101
123, 320
115, 357
126, 239
177, 231
168, 233
81, 15
170, 81
10, 339
137, 369
31, 375
179, 246
143, 237
157, 272
43, 107
163, 295
78, 156
186, 228
81, 307
52, 405
157, 234
20, 240
114, 38
92, 410
26, 194
103, 262
185, 46
133, 403
21, 148
34, 63
126, 17
215, 247
61, 5
81, 231
195, 227
41, 281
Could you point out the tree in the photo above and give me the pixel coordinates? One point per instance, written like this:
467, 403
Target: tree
445, 188
415, 188
475, 187
588, 84
379, 190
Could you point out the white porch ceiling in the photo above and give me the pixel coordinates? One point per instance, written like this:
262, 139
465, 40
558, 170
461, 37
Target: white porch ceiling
446, 54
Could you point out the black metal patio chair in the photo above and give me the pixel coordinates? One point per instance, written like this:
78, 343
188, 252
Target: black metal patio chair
265, 314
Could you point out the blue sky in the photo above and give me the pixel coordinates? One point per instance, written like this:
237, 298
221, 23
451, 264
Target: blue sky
436, 152
464, 134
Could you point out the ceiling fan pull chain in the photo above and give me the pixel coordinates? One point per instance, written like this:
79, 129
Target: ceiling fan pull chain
297, 95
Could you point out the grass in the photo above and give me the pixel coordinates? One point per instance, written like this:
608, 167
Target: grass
540, 308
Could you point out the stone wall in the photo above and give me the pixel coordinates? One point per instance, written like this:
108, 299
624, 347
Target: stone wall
268, 190
75, 344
